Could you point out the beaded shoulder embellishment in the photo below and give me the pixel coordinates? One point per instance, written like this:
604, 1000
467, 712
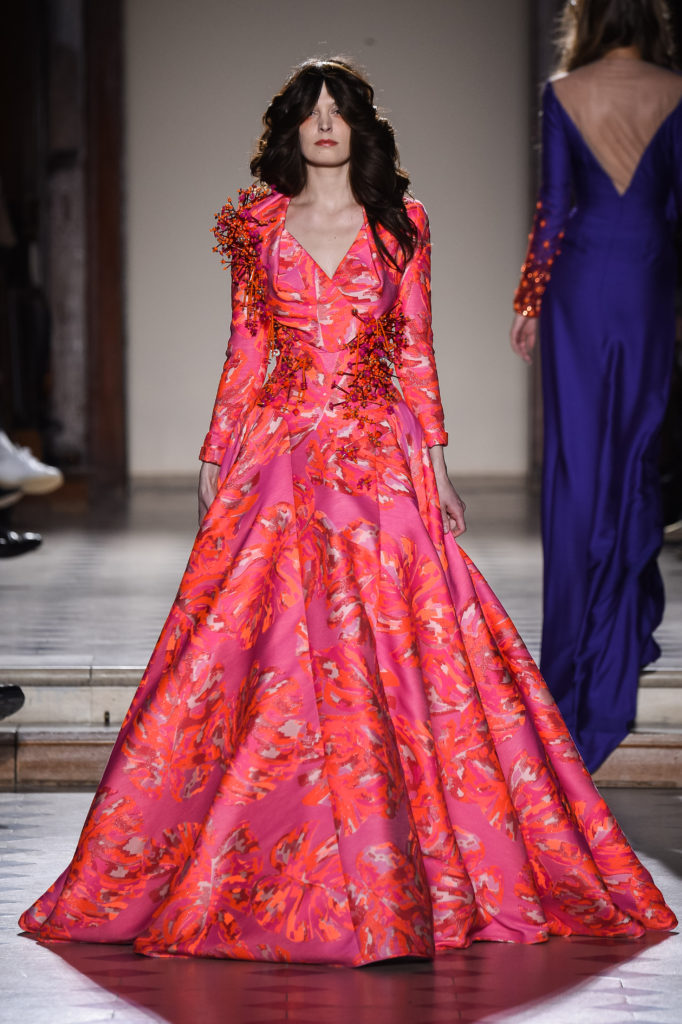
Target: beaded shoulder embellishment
237, 242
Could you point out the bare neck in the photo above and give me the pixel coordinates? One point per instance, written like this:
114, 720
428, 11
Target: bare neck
326, 188
623, 52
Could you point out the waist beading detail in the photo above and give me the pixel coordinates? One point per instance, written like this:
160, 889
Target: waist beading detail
367, 382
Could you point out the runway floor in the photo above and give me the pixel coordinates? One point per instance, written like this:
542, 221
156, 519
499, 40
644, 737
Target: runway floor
98, 590
96, 594
563, 981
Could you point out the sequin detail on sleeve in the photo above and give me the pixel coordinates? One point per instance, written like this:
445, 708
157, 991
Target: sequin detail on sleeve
552, 210
536, 271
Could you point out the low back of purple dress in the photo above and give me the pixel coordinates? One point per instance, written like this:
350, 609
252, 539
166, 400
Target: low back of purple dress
601, 265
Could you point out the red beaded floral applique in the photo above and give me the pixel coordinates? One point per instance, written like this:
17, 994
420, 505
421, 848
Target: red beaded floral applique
238, 238
537, 270
289, 374
377, 350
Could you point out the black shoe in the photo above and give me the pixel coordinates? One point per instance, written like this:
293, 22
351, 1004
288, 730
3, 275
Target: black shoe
13, 543
11, 699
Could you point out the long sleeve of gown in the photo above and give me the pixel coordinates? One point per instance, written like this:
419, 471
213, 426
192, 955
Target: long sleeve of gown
552, 209
247, 351
242, 378
416, 369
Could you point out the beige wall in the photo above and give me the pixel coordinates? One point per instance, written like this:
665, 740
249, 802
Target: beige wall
452, 75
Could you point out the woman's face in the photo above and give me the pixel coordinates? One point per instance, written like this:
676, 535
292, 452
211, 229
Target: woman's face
324, 136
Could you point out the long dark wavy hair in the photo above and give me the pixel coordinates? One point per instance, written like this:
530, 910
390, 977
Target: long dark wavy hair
377, 181
590, 28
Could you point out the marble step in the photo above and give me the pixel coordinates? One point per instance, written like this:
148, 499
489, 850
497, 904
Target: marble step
45, 756
659, 700
64, 733
41, 756
98, 696
95, 696
647, 759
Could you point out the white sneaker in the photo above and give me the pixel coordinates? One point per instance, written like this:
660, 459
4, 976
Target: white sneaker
20, 468
9, 497
672, 532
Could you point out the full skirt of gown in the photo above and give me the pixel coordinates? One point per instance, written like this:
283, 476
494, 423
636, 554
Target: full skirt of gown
341, 751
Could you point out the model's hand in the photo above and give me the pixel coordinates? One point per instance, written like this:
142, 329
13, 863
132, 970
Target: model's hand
452, 508
208, 487
451, 505
523, 336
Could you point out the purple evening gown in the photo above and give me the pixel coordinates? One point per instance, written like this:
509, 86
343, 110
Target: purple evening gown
602, 264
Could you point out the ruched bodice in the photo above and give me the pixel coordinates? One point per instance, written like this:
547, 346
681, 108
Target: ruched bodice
301, 290
326, 313
323, 349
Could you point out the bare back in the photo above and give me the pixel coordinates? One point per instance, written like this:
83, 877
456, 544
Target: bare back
618, 104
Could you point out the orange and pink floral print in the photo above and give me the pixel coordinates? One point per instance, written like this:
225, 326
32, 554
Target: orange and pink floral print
341, 750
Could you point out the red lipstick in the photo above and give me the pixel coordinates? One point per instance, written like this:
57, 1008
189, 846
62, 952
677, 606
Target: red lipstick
326, 142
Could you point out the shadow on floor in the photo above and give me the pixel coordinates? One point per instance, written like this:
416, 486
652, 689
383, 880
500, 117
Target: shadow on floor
484, 982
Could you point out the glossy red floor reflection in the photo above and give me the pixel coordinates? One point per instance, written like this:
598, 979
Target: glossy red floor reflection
488, 982
564, 981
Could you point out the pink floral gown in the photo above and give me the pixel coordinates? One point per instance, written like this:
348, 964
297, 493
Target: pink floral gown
341, 751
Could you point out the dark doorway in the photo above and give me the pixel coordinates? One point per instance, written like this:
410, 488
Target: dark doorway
62, 383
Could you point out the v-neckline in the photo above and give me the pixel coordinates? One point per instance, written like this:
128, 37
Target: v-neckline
312, 259
597, 161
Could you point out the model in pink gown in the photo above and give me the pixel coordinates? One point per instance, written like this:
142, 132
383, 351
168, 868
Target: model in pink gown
341, 750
